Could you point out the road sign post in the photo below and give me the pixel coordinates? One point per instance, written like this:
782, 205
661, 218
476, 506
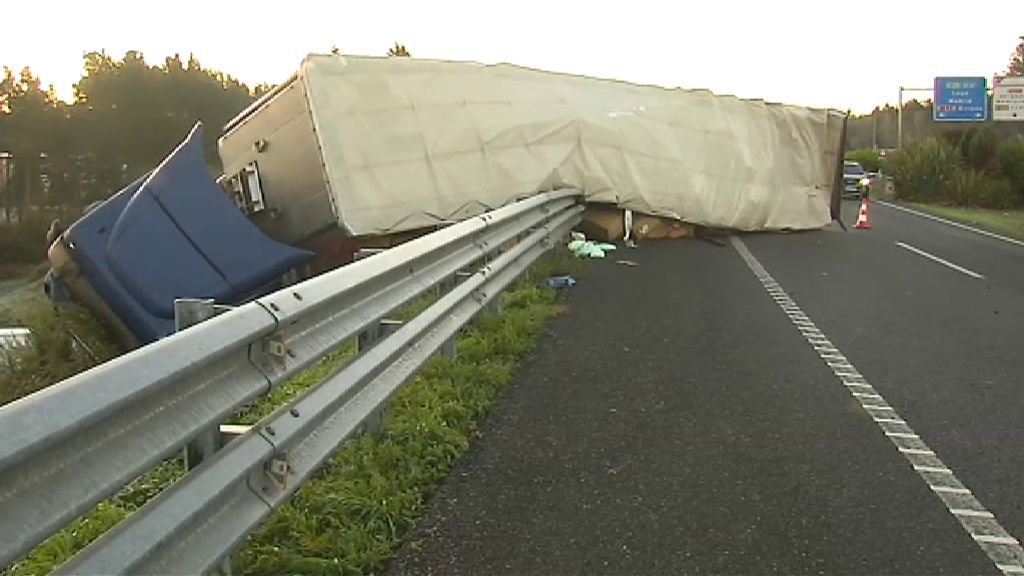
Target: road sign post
899, 113
960, 99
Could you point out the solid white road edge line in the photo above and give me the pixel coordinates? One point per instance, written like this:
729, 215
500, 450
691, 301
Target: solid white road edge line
999, 545
951, 223
935, 258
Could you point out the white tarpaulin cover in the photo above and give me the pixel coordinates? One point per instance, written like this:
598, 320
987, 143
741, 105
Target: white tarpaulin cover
412, 143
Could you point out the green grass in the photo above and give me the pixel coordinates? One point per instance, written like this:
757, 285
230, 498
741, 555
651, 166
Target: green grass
1008, 222
351, 516
65, 342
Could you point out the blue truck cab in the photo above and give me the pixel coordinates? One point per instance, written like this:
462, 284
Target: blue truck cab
173, 233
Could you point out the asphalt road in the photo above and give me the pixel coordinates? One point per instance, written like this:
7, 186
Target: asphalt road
677, 422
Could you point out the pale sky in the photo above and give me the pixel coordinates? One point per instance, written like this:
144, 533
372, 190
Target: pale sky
825, 54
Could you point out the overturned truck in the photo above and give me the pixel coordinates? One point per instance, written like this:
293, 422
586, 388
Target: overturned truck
360, 151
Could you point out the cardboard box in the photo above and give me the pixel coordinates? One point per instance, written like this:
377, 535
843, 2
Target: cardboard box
656, 228
603, 222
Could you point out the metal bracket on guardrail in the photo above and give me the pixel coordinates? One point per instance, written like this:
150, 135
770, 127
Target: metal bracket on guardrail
278, 469
275, 347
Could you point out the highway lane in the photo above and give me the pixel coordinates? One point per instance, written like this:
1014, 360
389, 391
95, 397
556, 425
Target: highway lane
941, 346
676, 422
1001, 262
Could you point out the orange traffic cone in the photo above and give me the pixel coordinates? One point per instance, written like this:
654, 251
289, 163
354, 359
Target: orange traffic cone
862, 216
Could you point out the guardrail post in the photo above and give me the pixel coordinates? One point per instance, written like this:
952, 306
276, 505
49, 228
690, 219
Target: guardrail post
371, 336
444, 286
450, 348
189, 312
192, 311
494, 306
374, 423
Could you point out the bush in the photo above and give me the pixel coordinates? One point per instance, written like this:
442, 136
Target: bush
980, 148
1011, 164
866, 157
973, 188
24, 242
63, 344
924, 169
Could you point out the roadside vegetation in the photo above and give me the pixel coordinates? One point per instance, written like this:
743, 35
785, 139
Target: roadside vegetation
869, 159
352, 516
1007, 222
23, 247
65, 341
970, 168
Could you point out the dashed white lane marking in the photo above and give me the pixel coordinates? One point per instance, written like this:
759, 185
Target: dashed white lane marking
916, 451
952, 223
974, 513
935, 258
949, 489
933, 469
1003, 549
890, 420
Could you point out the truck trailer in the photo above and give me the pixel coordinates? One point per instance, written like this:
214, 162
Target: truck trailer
362, 151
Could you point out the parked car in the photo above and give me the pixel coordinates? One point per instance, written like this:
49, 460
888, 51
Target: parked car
856, 180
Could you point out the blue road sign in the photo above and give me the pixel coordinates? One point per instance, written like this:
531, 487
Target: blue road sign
960, 99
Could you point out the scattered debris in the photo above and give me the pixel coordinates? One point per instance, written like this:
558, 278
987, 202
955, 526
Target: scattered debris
560, 282
629, 263
12, 340
583, 248
617, 470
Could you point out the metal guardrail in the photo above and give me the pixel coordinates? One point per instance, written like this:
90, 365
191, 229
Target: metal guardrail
68, 447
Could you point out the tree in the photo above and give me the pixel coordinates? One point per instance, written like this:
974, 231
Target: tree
134, 113
29, 115
1016, 66
261, 89
398, 50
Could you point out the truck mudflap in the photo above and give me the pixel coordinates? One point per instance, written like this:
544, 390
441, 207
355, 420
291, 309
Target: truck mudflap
173, 233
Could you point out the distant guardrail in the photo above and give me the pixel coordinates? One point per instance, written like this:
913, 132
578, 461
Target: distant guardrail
68, 447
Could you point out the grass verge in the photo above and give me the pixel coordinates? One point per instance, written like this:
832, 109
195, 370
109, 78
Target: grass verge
65, 341
26, 272
351, 516
1008, 222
